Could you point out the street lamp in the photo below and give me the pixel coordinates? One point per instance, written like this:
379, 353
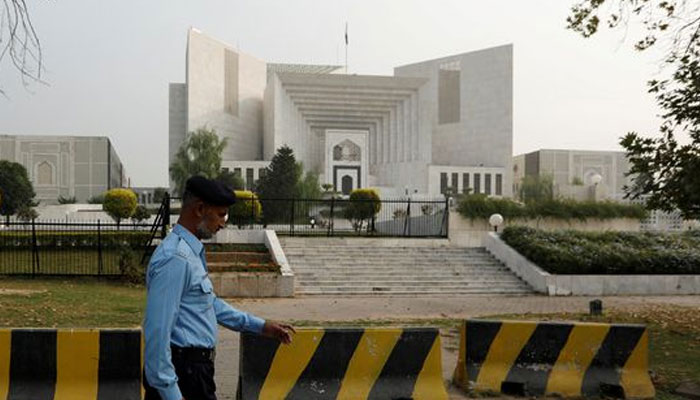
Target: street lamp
312, 222
596, 179
496, 220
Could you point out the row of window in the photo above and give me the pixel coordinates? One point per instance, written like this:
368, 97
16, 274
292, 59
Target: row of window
467, 186
249, 177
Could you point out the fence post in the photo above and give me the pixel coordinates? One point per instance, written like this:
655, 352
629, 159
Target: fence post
35, 251
99, 247
291, 222
407, 221
166, 215
447, 218
330, 217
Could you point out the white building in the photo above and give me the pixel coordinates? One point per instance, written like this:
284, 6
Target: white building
433, 125
66, 166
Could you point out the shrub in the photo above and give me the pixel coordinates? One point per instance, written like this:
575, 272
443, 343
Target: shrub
141, 214
480, 206
362, 206
119, 204
130, 267
66, 200
246, 209
574, 252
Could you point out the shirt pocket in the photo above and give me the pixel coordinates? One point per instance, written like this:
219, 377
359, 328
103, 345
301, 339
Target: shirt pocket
203, 294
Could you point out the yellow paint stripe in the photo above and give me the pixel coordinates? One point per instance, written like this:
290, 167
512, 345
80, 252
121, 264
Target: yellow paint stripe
502, 354
634, 377
574, 359
367, 361
429, 385
460, 373
289, 362
5, 346
77, 362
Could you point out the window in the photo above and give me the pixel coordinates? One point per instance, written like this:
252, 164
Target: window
477, 183
261, 172
443, 182
449, 92
237, 171
455, 182
487, 184
44, 174
499, 184
249, 179
465, 183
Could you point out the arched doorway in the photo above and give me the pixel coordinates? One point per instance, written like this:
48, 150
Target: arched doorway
346, 184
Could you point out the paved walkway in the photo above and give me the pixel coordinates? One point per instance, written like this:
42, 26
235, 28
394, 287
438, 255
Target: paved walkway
410, 308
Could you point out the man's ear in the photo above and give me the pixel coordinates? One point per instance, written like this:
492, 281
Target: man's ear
200, 209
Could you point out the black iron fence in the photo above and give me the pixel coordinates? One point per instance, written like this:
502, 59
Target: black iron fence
87, 248
331, 217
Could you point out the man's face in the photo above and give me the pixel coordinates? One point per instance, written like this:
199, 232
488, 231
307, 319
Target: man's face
213, 219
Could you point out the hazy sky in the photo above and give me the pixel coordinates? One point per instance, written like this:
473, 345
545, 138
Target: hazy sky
108, 64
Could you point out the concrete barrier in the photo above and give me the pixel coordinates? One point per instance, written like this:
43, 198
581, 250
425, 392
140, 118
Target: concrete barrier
75, 364
340, 363
549, 358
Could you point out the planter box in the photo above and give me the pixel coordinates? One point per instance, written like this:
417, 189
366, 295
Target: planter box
589, 285
465, 232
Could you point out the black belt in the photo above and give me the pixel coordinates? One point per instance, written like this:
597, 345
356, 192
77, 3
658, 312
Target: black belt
193, 354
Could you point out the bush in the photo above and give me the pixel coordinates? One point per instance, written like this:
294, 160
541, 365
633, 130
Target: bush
480, 206
130, 267
362, 206
119, 204
141, 214
246, 209
66, 200
574, 252
59, 240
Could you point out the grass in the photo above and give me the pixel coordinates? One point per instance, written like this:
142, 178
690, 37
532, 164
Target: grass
70, 303
88, 302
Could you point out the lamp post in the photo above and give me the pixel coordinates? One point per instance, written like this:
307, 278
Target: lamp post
595, 180
312, 222
495, 220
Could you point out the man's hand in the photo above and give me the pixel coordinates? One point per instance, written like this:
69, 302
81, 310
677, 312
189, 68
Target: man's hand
279, 331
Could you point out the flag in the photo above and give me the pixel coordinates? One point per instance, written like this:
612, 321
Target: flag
346, 33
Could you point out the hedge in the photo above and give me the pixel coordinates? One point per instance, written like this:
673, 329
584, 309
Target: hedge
480, 206
73, 239
624, 253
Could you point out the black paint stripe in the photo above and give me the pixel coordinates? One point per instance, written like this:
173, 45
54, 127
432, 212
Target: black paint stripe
324, 373
480, 335
605, 368
398, 377
119, 371
32, 364
255, 359
537, 358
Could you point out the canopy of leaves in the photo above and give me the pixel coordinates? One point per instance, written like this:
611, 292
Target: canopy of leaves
119, 204
362, 206
232, 179
246, 209
663, 169
279, 182
141, 213
16, 189
199, 154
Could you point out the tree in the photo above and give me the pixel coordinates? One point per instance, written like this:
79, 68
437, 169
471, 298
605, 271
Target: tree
159, 194
199, 154
20, 42
246, 210
279, 182
308, 187
119, 204
17, 190
537, 188
232, 179
27, 213
362, 206
140, 214
97, 199
662, 169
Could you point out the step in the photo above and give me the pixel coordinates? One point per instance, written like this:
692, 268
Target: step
414, 283
365, 292
238, 257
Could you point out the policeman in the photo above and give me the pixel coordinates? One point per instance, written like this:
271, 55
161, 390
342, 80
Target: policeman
182, 311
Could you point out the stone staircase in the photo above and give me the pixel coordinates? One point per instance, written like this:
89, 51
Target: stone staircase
325, 267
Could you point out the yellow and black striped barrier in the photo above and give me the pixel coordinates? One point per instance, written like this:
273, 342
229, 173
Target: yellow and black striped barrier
549, 358
70, 364
340, 363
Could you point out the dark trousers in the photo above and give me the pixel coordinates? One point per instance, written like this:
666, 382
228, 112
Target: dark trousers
195, 377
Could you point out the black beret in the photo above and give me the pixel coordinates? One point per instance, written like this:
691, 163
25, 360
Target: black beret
210, 191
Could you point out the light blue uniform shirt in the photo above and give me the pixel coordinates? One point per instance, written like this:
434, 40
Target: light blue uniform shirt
182, 309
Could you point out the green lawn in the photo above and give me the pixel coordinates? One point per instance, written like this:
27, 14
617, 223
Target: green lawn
70, 302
